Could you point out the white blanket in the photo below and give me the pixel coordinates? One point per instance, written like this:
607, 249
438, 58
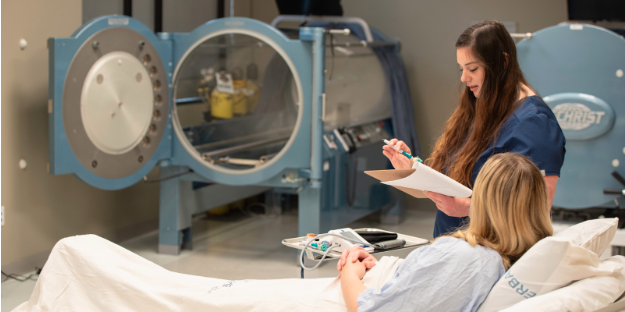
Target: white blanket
89, 273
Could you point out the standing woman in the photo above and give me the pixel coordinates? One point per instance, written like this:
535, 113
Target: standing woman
498, 112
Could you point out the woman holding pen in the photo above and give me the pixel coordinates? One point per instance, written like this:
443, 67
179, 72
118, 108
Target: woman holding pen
498, 112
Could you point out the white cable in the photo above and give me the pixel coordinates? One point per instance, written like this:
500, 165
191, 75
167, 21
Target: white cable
301, 259
301, 262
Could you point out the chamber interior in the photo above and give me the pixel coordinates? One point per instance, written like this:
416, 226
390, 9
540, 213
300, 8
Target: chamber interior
236, 101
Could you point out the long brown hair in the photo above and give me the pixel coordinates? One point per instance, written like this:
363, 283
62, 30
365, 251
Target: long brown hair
510, 209
475, 123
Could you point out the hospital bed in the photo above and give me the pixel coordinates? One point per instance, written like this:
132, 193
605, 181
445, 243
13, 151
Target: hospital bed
115, 279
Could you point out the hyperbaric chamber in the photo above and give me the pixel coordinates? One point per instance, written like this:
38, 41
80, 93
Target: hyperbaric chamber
237, 101
578, 70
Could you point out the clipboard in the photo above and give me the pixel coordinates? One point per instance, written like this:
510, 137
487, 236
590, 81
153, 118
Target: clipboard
421, 178
396, 174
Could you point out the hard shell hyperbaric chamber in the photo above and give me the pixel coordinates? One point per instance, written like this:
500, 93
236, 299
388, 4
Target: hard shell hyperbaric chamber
236, 103
236, 100
578, 70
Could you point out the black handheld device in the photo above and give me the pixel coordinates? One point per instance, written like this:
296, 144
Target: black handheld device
377, 236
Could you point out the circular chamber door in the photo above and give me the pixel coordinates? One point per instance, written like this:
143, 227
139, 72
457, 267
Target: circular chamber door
237, 102
114, 112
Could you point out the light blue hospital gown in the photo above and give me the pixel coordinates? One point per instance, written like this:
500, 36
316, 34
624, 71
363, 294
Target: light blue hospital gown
448, 275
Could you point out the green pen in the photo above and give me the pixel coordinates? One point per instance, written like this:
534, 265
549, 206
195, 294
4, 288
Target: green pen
404, 153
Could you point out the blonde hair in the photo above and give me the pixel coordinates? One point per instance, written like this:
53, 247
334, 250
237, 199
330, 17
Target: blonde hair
509, 208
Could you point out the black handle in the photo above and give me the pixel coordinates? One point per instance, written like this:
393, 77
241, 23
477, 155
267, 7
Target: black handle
618, 177
613, 192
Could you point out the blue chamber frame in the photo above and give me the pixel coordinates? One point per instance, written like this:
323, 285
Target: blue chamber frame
171, 48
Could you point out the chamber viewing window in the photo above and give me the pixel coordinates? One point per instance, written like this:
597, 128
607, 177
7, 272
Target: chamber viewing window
235, 101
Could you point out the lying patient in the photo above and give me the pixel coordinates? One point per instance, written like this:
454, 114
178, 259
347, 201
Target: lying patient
509, 214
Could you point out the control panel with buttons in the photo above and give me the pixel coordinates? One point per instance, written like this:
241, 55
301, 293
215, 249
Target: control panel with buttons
352, 138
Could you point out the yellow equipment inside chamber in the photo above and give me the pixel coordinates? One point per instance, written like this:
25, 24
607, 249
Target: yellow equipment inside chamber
226, 105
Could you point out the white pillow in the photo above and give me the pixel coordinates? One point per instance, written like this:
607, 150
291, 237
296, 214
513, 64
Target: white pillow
588, 294
594, 235
552, 263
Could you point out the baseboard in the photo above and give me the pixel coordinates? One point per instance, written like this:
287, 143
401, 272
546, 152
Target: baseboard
132, 231
27, 264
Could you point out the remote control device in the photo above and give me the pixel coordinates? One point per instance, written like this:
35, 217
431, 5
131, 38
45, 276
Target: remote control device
352, 236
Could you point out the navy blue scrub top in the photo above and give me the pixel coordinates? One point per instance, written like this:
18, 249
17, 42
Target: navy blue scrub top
532, 130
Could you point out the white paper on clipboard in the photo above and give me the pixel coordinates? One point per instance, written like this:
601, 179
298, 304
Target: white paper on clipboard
423, 178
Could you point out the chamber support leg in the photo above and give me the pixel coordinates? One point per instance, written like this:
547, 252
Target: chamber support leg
169, 234
309, 211
187, 239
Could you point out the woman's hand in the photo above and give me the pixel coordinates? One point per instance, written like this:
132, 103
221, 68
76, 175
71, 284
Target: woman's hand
354, 269
451, 206
398, 160
351, 283
356, 254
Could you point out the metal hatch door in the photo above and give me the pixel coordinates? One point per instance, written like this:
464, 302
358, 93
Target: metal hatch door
109, 102
242, 94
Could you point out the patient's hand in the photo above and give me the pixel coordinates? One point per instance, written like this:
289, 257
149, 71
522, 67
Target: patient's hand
356, 269
354, 255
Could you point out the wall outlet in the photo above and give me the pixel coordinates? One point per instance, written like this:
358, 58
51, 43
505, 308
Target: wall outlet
2, 216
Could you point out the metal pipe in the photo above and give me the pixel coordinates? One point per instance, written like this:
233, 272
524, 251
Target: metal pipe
345, 31
524, 36
323, 107
266, 158
128, 8
364, 44
239, 161
243, 147
243, 138
332, 19
190, 100
158, 16
221, 8
317, 109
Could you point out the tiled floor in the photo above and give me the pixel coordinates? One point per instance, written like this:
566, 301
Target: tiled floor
241, 247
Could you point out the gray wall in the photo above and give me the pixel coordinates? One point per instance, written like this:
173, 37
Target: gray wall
178, 16
262, 10
40, 208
